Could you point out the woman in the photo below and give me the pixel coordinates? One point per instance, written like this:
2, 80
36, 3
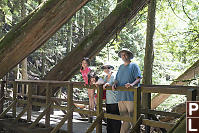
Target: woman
85, 70
113, 126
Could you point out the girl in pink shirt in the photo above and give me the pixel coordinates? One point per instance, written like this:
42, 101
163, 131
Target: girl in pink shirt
85, 71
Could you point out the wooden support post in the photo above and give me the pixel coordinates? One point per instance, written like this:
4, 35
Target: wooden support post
14, 99
62, 122
29, 112
99, 108
2, 96
22, 113
191, 94
39, 117
146, 104
98, 119
136, 127
137, 104
48, 102
69, 107
7, 109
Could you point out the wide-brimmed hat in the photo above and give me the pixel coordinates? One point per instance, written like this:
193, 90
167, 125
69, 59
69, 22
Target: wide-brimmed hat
127, 51
107, 65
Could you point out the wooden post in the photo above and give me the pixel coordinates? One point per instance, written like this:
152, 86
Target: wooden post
29, 112
99, 108
137, 104
191, 94
48, 102
2, 96
146, 104
14, 98
69, 107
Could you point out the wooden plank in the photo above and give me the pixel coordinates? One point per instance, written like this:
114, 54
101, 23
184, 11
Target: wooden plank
2, 96
162, 113
29, 111
70, 107
136, 127
62, 122
8, 108
99, 108
39, 117
191, 94
95, 123
188, 74
14, 99
22, 113
159, 124
48, 101
137, 104
87, 112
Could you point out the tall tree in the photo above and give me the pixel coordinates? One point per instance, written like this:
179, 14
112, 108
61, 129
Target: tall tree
24, 62
149, 55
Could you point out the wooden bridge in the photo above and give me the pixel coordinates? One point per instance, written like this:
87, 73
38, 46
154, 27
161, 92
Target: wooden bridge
50, 102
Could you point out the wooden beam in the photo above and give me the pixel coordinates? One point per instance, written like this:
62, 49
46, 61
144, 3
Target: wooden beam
15, 87
39, 117
188, 74
48, 102
159, 124
29, 112
61, 122
70, 107
35, 30
2, 83
99, 108
136, 127
94, 124
95, 42
22, 113
7, 109
162, 113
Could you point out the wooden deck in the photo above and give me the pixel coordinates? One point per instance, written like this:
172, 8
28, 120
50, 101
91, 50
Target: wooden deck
79, 125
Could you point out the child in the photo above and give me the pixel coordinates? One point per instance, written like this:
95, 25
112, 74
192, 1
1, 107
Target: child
94, 79
85, 70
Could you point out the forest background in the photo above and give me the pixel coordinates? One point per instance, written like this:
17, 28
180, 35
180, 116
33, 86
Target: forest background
176, 40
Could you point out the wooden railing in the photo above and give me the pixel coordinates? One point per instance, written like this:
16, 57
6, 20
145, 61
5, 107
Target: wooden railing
31, 85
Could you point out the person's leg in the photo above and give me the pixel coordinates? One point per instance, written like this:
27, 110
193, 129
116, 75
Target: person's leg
130, 108
108, 127
91, 98
123, 112
115, 124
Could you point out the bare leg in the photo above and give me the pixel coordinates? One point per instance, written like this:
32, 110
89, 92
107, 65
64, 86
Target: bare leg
91, 98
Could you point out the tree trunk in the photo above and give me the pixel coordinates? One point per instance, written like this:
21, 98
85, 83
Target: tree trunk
35, 30
94, 42
188, 74
149, 56
24, 62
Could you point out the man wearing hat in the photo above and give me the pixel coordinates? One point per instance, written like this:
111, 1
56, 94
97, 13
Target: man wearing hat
113, 126
128, 75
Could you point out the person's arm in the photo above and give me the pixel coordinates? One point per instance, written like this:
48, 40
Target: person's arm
134, 83
114, 85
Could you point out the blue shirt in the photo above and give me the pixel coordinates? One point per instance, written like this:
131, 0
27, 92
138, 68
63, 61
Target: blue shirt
111, 96
127, 74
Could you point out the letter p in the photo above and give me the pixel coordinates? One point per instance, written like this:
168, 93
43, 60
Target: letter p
192, 107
